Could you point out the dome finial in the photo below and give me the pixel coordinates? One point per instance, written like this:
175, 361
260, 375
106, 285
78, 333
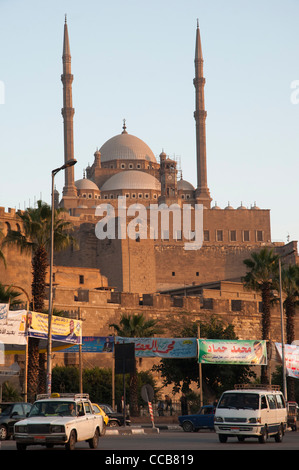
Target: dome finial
124, 127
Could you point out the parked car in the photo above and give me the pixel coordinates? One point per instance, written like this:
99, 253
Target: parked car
115, 418
98, 410
60, 420
204, 419
10, 413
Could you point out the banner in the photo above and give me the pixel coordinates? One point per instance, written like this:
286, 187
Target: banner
291, 354
4, 311
214, 351
94, 344
162, 347
67, 330
12, 329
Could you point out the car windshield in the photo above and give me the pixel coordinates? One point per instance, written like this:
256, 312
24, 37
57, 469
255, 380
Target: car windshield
248, 401
5, 409
53, 408
107, 408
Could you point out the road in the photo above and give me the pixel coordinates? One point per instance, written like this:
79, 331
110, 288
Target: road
184, 444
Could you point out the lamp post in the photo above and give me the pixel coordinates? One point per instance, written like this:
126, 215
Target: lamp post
50, 312
282, 335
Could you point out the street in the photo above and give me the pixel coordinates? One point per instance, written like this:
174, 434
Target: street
173, 442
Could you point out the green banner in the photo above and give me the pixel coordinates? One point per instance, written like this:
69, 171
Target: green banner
218, 351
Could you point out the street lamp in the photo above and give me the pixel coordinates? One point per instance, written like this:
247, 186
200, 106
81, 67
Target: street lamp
50, 312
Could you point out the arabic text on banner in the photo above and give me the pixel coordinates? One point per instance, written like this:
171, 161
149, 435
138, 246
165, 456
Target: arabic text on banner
4, 311
13, 328
291, 354
244, 352
162, 347
64, 329
94, 344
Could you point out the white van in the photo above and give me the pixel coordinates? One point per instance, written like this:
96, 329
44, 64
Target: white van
251, 411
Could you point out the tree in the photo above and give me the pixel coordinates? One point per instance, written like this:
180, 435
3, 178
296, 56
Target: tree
9, 296
135, 326
290, 286
263, 268
2, 257
216, 378
35, 237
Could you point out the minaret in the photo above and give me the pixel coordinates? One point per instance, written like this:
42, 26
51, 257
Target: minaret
202, 192
67, 112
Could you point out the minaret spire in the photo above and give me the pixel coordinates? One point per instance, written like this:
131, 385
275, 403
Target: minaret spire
200, 114
67, 112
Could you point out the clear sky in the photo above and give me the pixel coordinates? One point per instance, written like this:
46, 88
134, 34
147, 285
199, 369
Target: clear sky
134, 59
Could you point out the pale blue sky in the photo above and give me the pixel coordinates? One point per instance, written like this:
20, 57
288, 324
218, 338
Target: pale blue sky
135, 60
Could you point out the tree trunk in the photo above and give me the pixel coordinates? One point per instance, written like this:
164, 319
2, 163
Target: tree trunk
266, 324
290, 330
36, 368
134, 410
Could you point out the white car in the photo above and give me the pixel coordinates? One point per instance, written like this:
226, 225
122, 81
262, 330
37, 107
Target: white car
60, 420
251, 411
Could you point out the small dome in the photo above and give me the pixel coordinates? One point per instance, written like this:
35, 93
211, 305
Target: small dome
131, 180
126, 147
241, 206
184, 185
215, 207
229, 207
86, 184
255, 206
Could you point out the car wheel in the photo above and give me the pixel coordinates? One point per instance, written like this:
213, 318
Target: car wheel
93, 443
188, 426
222, 438
279, 436
264, 436
70, 445
113, 424
3, 432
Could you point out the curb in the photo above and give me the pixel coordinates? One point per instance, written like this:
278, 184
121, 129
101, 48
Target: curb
146, 429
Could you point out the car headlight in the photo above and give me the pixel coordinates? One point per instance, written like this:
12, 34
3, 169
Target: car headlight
56, 428
21, 428
254, 420
218, 419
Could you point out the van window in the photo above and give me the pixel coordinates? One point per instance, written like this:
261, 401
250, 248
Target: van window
240, 400
264, 404
272, 402
280, 401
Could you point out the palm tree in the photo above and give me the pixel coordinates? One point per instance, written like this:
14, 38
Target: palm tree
9, 296
135, 326
35, 237
2, 257
263, 268
290, 286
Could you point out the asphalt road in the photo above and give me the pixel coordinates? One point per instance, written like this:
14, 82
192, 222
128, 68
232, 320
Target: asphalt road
184, 445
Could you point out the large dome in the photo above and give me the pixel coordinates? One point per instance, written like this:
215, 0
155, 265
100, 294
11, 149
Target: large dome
126, 147
131, 180
85, 183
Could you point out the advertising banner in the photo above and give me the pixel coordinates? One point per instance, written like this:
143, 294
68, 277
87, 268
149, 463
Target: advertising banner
291, 354
214, 351
67, 330
162, 347
12, 329
95, 344
4, 311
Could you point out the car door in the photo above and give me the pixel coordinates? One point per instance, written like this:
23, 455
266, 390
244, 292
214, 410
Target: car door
16, 414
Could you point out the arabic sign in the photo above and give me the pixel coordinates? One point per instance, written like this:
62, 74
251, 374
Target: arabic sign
250, 352
12, 329
64, 329
94, 344
291, 354
162, 347
4, 311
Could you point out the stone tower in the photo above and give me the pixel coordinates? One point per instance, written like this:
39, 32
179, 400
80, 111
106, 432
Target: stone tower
202, 191
67, 112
